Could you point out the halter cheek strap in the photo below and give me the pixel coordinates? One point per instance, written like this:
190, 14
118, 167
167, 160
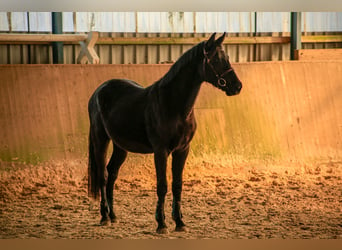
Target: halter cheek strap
220, 80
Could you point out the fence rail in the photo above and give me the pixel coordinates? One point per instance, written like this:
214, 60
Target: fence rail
32, 38
137, 48
87, 42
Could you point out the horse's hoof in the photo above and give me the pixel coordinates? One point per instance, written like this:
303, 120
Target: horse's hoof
162, 230
181, 229
112, 218
105, 222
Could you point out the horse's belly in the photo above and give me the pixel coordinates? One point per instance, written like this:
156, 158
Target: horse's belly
134, 146
132, 139
126, 127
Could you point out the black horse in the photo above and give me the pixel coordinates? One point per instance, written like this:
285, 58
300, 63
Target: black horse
157, 119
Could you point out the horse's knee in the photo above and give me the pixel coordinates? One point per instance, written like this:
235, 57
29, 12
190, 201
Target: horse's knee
161, 190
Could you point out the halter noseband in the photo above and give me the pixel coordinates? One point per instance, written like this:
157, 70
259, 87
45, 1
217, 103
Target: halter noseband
220, 80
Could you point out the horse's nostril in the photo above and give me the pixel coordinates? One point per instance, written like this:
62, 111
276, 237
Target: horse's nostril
238, 89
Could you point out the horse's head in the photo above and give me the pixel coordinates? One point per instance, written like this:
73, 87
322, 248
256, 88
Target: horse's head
217, 69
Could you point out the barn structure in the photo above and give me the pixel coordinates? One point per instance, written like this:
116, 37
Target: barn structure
161, 37
290, 64
263, 164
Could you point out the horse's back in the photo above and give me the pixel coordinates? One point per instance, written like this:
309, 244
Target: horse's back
120, 105
117, 88
115, 91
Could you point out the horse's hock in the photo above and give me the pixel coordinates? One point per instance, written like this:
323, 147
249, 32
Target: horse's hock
286, 110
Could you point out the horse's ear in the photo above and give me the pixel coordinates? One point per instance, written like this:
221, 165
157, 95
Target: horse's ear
220, 40
211, 41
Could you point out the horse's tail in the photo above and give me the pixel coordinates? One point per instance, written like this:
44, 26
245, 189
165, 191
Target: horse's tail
93, 187
98, 142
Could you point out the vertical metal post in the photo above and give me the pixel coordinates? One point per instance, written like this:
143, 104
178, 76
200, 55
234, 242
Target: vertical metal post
28, 30
57, 47
296, 33
255, 34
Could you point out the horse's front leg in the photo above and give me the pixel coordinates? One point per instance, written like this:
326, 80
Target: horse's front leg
178, 162
160, 160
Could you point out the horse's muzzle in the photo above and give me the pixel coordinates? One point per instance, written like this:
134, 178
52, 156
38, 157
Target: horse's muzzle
234, 91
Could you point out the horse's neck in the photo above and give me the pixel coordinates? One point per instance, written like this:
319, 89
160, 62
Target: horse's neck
180, 94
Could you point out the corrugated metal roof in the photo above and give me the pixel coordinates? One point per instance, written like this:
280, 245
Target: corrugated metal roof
3, 21
322, 21
233, 22
180, 22
273, 21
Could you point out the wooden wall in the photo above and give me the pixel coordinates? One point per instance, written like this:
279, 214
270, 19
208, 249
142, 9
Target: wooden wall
286, 110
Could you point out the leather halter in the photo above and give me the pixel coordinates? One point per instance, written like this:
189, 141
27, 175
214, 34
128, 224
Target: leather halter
207, 60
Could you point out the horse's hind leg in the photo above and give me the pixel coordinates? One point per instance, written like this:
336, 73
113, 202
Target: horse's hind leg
118, 157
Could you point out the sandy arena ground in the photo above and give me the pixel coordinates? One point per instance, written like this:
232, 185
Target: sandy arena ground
222, 199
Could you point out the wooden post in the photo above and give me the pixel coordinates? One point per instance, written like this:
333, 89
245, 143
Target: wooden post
88, 53
296, 33
9, 20
57, 47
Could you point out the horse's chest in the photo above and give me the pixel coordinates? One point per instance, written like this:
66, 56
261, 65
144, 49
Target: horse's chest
181, 133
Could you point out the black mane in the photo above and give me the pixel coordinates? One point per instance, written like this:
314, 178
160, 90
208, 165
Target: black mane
183, 61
